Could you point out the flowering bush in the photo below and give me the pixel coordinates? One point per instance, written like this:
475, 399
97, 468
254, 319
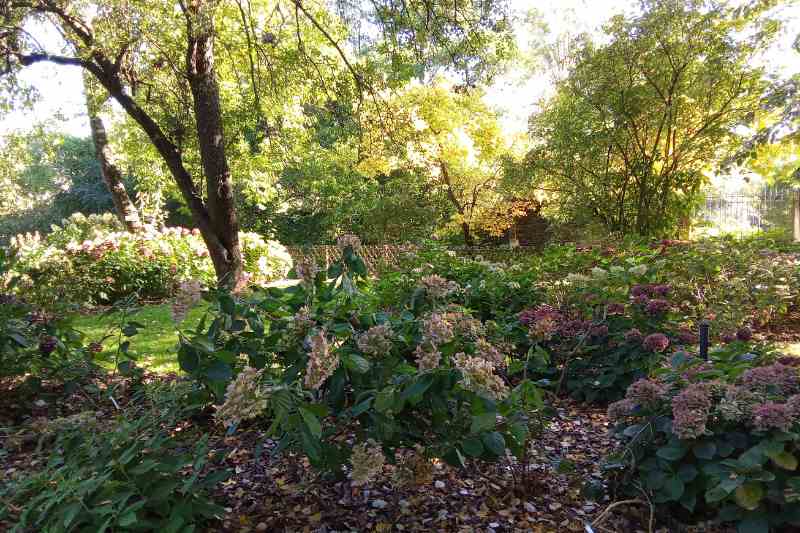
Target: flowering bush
75, 265
312, 359
715, 440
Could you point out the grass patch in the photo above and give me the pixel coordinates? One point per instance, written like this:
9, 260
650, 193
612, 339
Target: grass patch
154, 346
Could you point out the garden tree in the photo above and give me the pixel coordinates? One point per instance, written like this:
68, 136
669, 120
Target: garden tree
163, 65
455, 139
628, 135
47, 176
123, 206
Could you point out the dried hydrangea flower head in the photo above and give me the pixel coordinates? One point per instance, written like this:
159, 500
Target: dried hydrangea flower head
189, 293
436, 329
657, 306
306, 270
376, 341
438, 287
414, 470
489, 351
479, 377
348, 240
463, 324
245, 398
774, 377
428, 357
771, 415
322, 361
655, 342
646, 392
736, 404
690, 410
621, 409
367, 461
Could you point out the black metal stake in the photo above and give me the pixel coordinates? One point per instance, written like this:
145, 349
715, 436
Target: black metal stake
705, 327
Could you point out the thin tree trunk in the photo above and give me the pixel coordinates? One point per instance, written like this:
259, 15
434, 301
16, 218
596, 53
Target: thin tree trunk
211, 137
123, 206
469, 240
796, 215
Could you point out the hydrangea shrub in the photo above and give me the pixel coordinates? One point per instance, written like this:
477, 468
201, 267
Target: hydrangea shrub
715, 440
77, 265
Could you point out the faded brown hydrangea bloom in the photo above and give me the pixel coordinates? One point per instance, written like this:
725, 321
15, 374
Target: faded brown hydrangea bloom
245, 398
376, 341
438, 287
189, 293
322, 361
367, 461
479, 376
414, 470
428, 357
488, 351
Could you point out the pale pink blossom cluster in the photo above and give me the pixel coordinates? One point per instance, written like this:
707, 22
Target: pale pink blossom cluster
774, 377
377, 341
690, 410
322, 361
488, 351
647, 392
438, 287
655, 342
245, 398
479, 377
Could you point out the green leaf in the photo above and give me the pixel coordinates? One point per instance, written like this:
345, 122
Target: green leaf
70, 513
785, 460
673, 488
705, 450
749, 495
495, 443
671, 453
357, 364
753, 525
219, 371
127, 519
472, 446
687, 472
483, 422
312, 422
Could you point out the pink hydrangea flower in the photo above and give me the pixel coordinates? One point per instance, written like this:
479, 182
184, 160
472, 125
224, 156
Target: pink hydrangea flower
615, 309
657, 306
633, 336
772, 377
646, 392
771, 415
656, 342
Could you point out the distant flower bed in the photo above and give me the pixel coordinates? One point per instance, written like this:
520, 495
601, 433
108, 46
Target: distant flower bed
89, 260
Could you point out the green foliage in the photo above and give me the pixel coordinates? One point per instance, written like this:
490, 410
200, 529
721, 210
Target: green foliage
128, 474
87, 261
328, 357
630, 131
715, 439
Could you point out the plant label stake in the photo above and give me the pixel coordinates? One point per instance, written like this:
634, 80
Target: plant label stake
705, 327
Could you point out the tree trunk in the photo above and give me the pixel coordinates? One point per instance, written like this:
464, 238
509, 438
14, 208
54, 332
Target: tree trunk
469, 240
796, 215
123, 206
217, 221
227, 258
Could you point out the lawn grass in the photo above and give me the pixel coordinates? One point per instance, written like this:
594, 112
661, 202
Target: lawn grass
154, 346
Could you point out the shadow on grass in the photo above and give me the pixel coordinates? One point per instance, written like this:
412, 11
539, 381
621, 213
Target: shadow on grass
155, 346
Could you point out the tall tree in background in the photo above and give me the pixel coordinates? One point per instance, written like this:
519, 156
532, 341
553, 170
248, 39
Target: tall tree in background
112, 177
149, 55
632, 129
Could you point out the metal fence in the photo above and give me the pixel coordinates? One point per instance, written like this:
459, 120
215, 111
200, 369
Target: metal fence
769, 209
